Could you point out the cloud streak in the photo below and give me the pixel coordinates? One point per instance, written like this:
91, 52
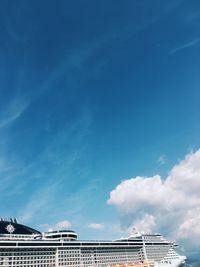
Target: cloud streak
60, 156
13, 111
190, 44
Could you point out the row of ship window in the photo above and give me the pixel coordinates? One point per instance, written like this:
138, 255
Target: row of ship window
29, 258
24, 253
98, 251
113, 255
30, 265
30, 261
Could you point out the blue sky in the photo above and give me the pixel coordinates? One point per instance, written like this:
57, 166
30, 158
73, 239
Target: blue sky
93, 93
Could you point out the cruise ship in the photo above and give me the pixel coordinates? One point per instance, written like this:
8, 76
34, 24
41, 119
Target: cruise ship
23, 246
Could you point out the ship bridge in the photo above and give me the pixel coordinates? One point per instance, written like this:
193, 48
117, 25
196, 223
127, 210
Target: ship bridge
61, 235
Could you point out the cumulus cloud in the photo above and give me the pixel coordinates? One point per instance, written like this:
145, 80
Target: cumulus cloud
96, 226
170, 205
145, 224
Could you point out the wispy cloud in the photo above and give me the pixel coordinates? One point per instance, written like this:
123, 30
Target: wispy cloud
62, 225
115, 34
43, 196
10, 171
96, 226
192, 43
60, 156
13, 111
58, 226
162, 160
40, 200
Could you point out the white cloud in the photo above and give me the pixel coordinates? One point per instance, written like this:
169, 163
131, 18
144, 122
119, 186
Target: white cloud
144, 225
132, 194
96, 226
190, 227
171, 205
62, 225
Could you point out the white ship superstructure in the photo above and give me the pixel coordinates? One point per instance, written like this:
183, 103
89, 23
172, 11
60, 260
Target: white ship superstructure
22, 246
